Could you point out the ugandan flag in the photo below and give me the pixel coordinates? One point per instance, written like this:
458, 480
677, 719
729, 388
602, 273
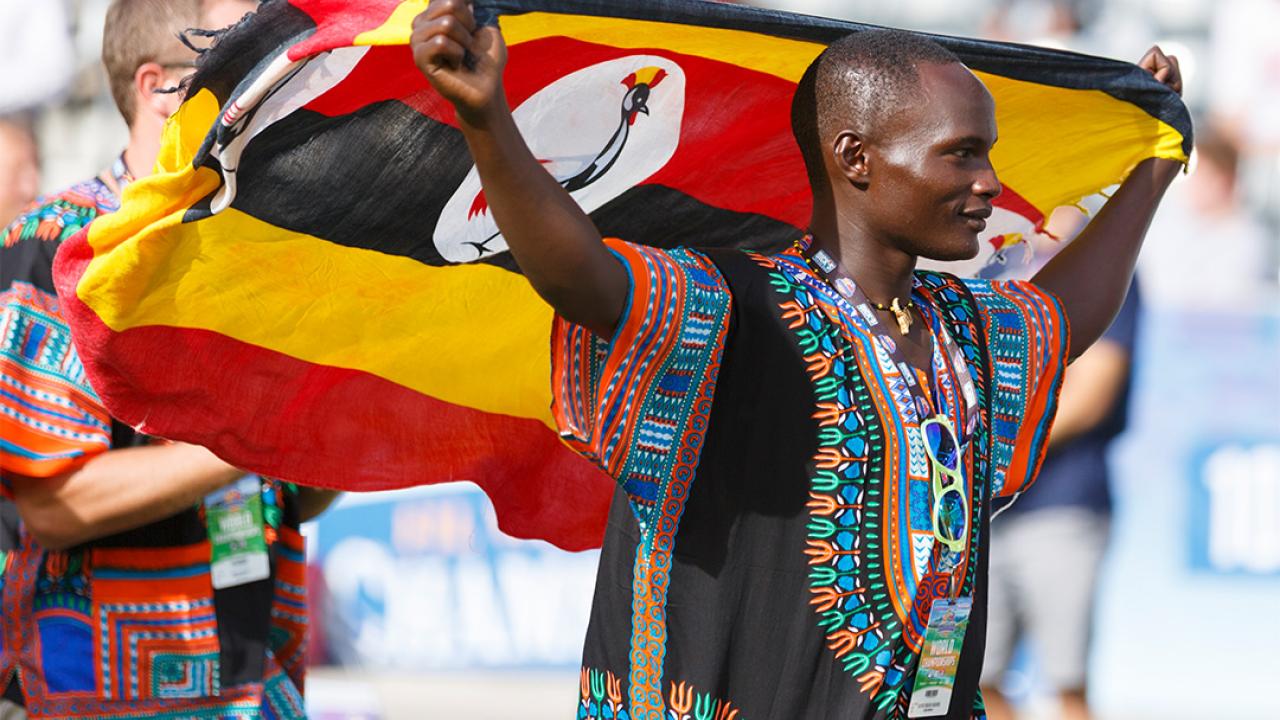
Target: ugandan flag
312, 284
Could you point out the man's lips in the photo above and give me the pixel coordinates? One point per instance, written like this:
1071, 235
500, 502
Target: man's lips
976, 218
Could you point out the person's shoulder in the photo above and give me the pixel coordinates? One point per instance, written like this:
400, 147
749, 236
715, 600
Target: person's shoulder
57, 216
946, 288
653, 260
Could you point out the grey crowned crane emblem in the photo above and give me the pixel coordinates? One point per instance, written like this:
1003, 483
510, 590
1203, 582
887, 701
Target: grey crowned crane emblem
577, 172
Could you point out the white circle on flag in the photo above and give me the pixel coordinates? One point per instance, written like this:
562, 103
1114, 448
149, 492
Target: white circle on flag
600, 131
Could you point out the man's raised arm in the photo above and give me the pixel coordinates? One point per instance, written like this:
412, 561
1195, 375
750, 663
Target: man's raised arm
1091, 275
556, 245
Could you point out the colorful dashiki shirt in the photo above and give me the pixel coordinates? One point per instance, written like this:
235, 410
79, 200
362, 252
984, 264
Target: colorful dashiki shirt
129, 625
770, 550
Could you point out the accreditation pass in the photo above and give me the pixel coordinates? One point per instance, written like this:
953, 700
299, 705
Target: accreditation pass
233, 516
940, 658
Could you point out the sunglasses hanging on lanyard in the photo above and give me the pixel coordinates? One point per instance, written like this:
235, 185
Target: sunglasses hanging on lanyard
951, 513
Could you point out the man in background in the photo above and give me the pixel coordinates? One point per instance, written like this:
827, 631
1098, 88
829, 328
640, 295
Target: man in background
1066, 515
150, 579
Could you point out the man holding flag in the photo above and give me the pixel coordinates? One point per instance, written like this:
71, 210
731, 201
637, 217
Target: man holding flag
808, 443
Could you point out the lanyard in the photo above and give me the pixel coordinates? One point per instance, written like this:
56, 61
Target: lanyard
858, 306
117, 177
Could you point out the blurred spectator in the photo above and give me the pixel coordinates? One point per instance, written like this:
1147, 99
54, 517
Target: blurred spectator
1053, 23
1065, 515
36, 53
117, 531
1244, 90
1204, 238
19, 167
1244, 97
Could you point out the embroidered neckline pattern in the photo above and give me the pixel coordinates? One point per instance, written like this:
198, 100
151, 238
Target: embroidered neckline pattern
848, 578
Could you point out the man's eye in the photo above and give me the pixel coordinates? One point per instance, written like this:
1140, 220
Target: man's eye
963, 153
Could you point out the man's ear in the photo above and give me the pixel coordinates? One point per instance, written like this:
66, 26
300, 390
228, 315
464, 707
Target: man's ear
849, 151
147, 79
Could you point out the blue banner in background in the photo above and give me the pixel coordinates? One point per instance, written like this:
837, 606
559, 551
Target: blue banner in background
423, 580
1187, 615
1234, 508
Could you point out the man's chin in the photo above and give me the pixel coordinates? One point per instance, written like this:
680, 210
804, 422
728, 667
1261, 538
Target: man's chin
954, 252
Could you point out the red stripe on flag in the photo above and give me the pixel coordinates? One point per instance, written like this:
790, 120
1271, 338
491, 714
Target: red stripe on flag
339, 22
332, 427
1010, 200
736, 149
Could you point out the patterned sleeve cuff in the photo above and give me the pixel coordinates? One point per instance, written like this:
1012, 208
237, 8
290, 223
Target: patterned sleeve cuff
1028, 339
631, 404
51, 421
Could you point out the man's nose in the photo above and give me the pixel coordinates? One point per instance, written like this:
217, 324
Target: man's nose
987, 184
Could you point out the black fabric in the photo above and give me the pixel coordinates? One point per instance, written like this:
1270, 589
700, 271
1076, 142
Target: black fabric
740, 625
9, 524
244, 624
30, 262
13, 692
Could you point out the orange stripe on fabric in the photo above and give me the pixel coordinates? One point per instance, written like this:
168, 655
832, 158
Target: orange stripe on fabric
629, 335
1051, 345
890, 482
26, 467
151, 558
195, 587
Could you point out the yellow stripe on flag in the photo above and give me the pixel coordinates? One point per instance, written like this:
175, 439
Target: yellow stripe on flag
394, 317
1087, 142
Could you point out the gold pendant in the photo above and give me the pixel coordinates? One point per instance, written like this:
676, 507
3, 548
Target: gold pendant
903, 316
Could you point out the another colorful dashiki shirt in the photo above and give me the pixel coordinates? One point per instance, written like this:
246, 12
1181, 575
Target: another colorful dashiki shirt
769, 551
130, 625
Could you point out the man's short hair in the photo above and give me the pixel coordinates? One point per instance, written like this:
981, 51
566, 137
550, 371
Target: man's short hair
863, 78
138, 32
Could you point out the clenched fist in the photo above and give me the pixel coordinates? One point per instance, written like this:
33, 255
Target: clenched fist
462, 62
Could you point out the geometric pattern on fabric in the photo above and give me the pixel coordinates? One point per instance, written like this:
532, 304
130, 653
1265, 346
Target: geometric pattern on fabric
288, 635
629, 404
872, 599
638, 406
600, 698
153, 648
842, 554
860, 629
57, 217
281, 698
1027, 332
50, 416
